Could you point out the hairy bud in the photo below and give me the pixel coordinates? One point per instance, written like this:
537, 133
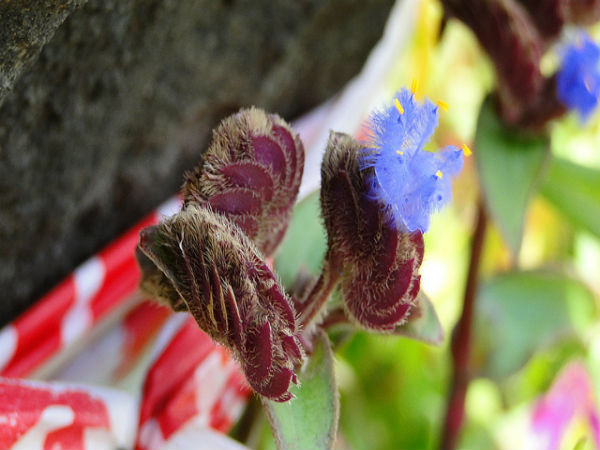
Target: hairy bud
198, 260
506, 31
548, 15
582, 12
251, 174
378, 262
551, 15
546, 107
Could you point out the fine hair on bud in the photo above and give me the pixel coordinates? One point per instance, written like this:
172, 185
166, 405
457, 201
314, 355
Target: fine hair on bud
250, 173
200, 261
378, 262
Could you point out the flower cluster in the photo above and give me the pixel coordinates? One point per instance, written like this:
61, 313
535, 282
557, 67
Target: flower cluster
408, 181
376, 201
209, 258
578, 81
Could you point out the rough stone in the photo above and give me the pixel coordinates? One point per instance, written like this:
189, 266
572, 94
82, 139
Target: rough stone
105, 103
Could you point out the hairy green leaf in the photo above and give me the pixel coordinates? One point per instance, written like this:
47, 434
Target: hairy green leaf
423, 323
310, 420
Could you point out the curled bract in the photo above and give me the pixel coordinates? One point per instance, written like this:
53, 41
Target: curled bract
379, 263
199, 261
251, 174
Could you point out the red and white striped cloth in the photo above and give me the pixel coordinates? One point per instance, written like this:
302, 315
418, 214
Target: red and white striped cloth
121, 348
37, 415
102, 286
191, 385
193, 382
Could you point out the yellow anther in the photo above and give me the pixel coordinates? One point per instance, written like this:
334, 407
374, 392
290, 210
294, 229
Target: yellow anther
400, 152
466, 150
399, 106
439, 174
442, 104
414, 86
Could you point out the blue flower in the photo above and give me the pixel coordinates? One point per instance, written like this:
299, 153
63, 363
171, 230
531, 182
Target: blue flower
578, 81
408, 181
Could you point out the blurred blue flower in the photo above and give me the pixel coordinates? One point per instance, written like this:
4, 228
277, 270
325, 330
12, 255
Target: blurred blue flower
411, 183
578, 81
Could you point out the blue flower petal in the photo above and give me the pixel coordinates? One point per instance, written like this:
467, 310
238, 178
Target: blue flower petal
578, 80
409, 182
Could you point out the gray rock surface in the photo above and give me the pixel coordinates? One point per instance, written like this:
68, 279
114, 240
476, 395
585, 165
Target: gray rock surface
105, 103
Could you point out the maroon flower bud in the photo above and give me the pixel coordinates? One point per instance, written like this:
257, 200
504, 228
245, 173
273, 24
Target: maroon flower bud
547, 106
505, 30
551, 15
378, 262
251, 173
582, 12
198, 260
548, 15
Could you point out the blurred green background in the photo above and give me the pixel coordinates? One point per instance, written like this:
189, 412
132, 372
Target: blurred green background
536, 310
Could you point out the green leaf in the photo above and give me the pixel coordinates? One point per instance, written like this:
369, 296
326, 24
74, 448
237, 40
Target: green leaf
575, 191
423, 323
310, 420
521, 312
509, 164
305, 242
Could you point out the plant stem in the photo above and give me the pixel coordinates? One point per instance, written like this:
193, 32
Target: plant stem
461, 340
319, 294
248, 426
335, 317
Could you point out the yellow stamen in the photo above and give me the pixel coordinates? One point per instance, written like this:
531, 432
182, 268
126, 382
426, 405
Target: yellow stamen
442, 104
399, 106
466, 150
439, 174
414, 86
400, 152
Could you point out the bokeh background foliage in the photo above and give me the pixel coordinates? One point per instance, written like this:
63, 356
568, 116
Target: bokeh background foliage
537, 302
